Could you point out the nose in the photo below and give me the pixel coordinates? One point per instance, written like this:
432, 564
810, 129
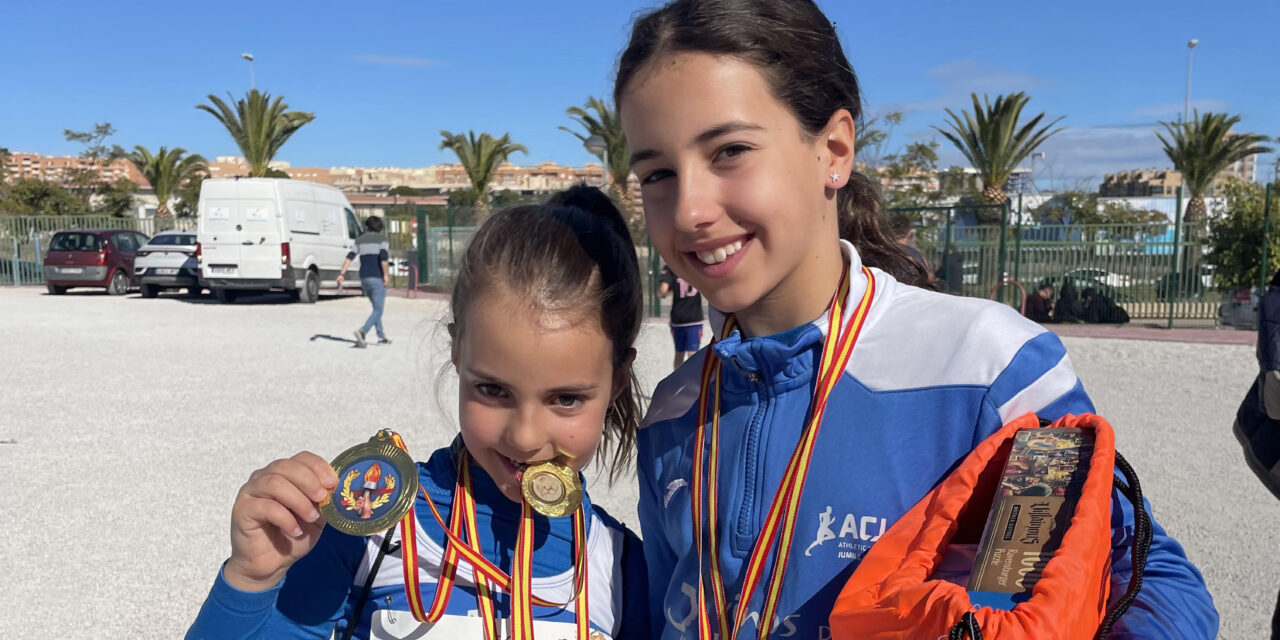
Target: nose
695, 208
525, 434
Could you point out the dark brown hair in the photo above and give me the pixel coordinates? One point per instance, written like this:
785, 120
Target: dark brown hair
796, 49
570, 255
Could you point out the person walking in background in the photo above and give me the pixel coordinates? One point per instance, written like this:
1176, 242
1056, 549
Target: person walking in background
375, 274
686, 314
1257, 424
905, 233
951, 272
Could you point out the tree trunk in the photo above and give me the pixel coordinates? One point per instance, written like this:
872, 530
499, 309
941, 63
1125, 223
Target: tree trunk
162, 211
1197, 215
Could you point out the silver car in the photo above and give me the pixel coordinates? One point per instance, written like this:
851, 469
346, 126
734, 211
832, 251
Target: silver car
1240, 309
167, 261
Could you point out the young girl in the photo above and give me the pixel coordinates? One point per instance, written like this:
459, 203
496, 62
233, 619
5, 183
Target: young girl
741, 117
545, 312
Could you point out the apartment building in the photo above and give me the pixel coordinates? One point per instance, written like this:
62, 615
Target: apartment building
1160, 183
57, 169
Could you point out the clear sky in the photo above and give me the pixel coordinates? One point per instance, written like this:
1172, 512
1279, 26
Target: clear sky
383, 78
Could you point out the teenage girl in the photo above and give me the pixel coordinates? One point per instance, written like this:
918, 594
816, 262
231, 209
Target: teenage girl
741, 116
545, 312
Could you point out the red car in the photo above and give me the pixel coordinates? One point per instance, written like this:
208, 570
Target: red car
92, 258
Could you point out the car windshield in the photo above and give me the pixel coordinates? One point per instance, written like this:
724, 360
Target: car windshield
173, 239
76, 242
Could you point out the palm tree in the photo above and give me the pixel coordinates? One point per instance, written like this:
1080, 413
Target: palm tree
993, 142
167, 171
480, 157
259, 126
1201, 149
617, 155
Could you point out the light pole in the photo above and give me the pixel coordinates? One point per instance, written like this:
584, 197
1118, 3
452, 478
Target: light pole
596, 146
1186, 105
1034, 155
249, 57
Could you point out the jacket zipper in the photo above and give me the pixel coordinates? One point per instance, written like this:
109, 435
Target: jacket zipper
751, 477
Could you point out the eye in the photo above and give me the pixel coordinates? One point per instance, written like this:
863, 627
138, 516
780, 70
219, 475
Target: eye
732, 151
490, 390
565, 401
655, 176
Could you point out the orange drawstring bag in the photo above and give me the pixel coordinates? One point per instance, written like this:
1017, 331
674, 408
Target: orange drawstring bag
892, 595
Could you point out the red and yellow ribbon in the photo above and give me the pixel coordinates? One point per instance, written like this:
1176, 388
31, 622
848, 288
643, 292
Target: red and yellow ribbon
779, 524
462, 521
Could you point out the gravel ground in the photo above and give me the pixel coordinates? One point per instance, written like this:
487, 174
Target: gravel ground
127, 425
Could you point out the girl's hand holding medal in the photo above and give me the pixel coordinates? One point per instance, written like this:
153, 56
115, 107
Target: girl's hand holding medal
274, 520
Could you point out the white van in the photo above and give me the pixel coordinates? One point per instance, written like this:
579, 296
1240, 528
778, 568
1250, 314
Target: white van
262, 234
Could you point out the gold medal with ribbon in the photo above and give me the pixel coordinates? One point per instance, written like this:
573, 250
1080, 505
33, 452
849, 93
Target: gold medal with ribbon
551, 488
779, 524
377, 482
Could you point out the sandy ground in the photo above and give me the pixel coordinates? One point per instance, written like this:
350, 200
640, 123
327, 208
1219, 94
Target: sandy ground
127, 425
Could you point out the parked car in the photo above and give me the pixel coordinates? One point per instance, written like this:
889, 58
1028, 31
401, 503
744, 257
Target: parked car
1190, 287
168, 261
1240, 309
92, 258
1099, 275
263, 234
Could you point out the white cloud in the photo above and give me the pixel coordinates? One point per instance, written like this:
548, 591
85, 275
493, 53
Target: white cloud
395, 61
957, 79
1171, 110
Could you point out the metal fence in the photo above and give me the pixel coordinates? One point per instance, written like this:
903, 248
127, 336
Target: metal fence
1153, 271
24, 239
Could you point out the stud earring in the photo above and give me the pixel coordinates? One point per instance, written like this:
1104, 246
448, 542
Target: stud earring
835, 177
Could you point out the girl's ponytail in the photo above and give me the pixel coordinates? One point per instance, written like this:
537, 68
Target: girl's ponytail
863, 223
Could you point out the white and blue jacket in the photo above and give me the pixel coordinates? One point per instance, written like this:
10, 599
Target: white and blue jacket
318, 596
931, 376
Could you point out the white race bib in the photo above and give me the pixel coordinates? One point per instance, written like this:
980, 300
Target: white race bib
399, 625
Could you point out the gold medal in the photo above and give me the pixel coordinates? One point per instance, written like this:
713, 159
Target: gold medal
377, 483
551, 488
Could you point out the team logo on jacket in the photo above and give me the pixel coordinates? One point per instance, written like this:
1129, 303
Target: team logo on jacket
855, 536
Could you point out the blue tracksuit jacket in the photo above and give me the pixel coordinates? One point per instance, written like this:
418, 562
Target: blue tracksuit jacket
319, 592
931, 376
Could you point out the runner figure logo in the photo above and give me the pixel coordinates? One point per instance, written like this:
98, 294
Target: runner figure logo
825, 520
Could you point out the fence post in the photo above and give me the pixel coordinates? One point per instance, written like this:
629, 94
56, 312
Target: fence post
420, 214
40, 262
1017, 243
17, 275
946, 253
449, 208
1002, 260
1176, 255
1266, 241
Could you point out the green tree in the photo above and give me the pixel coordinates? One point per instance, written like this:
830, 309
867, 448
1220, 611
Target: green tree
870, 136
1081, 207
994, 141
919, 160
88, 181
617, 156
189, 196
1200, 149
1235, 237
403, 190
480, 157
167, 171
116, 198
259, 126
34, 196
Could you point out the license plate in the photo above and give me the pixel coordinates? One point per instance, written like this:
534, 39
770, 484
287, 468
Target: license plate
70, 270
166, 272
222, 271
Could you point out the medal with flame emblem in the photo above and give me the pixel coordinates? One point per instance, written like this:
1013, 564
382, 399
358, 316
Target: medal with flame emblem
377, 483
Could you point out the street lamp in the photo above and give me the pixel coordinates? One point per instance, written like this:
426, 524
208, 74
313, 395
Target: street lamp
249, 57
596, 146
1034, 155
1186, 105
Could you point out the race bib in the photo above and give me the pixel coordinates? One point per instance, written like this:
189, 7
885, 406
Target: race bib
389, 624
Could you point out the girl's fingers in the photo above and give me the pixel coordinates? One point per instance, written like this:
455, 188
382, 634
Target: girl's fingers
267, 511
320, 467
291, 488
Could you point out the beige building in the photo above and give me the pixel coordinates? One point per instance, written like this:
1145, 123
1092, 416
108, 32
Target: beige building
56, 169
444, 178
1161, 183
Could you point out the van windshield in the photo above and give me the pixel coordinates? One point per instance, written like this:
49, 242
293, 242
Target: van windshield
76, 242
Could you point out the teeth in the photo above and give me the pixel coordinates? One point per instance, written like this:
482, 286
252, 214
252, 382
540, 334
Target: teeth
720, 254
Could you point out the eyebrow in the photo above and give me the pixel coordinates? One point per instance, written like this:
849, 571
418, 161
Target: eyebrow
724, 128
569, 388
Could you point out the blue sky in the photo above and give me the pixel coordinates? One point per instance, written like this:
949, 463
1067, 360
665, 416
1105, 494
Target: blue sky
383, 78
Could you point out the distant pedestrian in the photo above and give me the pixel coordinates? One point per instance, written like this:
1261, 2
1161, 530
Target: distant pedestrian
905, 233
1098, 308
1068, 307
951, 271
686, 314
1257, 424
375, 275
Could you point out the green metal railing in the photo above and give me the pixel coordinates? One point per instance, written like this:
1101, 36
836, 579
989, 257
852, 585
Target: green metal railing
1151, 270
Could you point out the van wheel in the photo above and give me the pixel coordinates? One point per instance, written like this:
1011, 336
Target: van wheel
119, 284
150, 290
310, 291
225, 296
55, 290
